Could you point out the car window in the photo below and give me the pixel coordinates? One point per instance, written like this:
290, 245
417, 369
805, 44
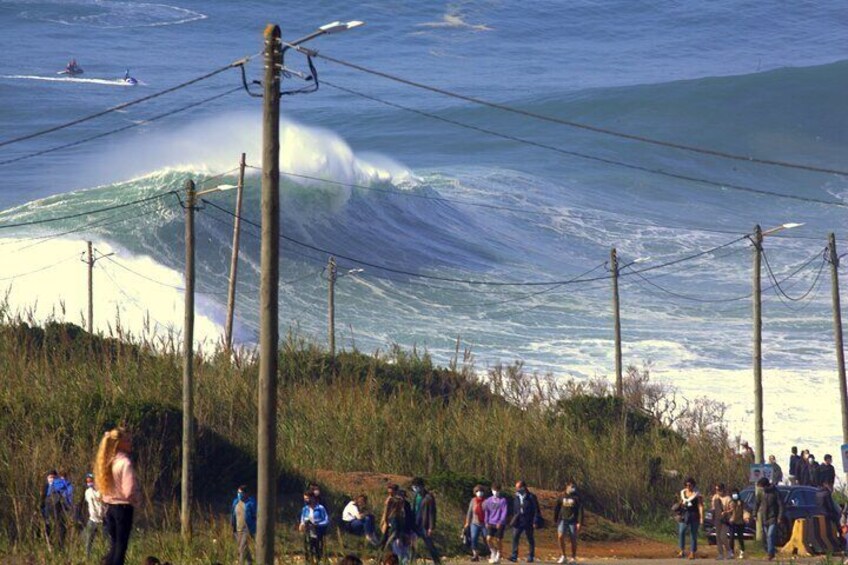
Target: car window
748, 499
799, 497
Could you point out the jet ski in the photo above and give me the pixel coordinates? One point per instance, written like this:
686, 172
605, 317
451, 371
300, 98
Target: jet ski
128, 79
73, 69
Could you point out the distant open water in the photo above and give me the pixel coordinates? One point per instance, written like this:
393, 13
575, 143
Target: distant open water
764, 79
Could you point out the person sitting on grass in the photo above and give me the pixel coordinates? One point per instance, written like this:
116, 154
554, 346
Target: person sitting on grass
356, 519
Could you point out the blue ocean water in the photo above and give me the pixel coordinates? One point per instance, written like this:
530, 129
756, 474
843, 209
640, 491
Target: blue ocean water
763, 79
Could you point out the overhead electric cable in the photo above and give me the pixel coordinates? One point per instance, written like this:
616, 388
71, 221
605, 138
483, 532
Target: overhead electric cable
571, 123
151, 279
473, 281
608, 161
50, 266
516, 209
120, 129
777, 284
125, 104
86, 212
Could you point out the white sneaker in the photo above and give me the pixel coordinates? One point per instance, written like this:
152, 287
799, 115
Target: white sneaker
561, 559
497, 557
572, 560
741, 555
491, 557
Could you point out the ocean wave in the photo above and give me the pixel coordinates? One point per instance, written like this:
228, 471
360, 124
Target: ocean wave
108, 14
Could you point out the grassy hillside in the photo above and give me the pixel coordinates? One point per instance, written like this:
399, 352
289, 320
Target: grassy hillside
392, 412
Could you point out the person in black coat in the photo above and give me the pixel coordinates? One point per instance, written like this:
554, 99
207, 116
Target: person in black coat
793, 466
771, 506
827, 474
525, 513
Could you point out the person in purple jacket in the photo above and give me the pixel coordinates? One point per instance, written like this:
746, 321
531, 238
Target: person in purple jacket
495, 509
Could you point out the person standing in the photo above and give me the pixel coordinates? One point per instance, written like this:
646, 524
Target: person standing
737, 523
720, 520
793, 466
475, 520
96, 511
776, 471
827, 474
314, 522
495, 509
59, 505
691, 517
424, 509
747, 452
525, 510
770, 504
568, 515
243, 520
814, 470
116, 481
804, 469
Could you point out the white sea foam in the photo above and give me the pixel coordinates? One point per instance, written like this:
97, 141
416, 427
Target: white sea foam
50, 282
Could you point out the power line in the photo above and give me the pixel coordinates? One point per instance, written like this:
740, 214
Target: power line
151, 279
473, 281
516, 209
50, 266
120, 129
87, 212
125, 104
608, 161
777, 286
571, 123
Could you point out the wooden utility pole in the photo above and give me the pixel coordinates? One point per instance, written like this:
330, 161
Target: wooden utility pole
231, 294
331, 306
619, 372
188, 366
758, 345
268, 301
90, 289
837, 332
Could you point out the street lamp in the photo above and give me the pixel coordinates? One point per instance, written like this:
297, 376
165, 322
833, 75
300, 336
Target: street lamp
269, 314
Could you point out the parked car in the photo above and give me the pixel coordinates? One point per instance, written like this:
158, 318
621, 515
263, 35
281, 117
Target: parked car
798, 502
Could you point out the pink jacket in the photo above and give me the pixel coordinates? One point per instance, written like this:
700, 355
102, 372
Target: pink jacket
125, 483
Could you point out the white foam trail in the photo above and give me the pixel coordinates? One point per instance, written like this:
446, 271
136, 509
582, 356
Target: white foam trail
101, 81
134, 12
454, 21
145, 308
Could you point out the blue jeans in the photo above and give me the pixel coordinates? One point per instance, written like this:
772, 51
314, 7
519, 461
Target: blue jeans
771, 538
692, 529
477, 530
363, 527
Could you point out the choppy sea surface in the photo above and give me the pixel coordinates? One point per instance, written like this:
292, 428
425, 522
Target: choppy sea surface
422, 195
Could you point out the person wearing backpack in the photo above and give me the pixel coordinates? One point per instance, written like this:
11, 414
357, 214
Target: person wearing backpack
568, 515
525, 516
424, 508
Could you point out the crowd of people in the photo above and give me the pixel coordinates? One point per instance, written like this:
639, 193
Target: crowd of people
112, 492
106, 506
408, 519
730, 515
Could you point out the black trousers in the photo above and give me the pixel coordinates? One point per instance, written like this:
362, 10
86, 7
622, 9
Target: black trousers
118, 523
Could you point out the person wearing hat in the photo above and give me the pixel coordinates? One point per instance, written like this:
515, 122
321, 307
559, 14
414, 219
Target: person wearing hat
94, 506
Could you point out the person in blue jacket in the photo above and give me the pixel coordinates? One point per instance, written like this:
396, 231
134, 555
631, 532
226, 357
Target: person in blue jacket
58, 507
314, 522
243, 519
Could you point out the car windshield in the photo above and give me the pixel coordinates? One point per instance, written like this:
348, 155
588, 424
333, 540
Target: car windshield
801, 497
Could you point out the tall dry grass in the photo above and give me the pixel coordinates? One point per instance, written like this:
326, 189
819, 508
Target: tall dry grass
392, 412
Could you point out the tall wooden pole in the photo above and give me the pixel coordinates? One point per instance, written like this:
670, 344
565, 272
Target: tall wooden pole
837, 333
188, 367
758, 346
619, 370
231, 294
331, 306
268, 302
90, 289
